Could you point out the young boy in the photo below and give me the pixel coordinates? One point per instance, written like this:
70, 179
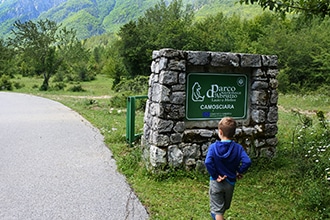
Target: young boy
226, 160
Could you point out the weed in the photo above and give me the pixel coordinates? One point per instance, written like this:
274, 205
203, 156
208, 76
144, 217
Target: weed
312, 144
89, 102
129, 162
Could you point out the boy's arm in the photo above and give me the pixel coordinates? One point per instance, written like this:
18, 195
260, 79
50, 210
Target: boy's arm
245, 163
209, 163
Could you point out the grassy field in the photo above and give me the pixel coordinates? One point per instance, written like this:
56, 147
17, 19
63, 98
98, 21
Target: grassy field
272, 189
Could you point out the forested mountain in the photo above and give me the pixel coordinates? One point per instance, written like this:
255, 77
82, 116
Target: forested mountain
94, 17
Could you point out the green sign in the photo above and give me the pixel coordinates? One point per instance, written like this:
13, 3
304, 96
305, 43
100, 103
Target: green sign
213, 96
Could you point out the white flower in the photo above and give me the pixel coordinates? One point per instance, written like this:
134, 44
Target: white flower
316, 161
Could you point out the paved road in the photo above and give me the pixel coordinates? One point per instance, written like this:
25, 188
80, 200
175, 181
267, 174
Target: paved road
55, 165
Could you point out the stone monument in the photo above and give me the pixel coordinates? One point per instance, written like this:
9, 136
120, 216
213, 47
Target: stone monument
190, 91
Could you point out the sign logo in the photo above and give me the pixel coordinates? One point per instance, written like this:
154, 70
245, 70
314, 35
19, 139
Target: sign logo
216, 95
196, 93
240, 82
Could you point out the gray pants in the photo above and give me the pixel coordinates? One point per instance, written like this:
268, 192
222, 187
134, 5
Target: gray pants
221, 195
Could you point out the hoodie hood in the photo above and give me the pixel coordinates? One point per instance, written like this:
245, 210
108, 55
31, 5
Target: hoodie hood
223, 149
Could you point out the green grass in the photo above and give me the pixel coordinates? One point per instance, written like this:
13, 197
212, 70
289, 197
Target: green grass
100, 87
306, 103
270, 190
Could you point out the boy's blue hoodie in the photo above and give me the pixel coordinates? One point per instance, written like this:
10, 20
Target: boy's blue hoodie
226, 158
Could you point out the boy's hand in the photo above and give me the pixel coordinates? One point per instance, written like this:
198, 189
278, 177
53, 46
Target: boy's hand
239, 176
221, 178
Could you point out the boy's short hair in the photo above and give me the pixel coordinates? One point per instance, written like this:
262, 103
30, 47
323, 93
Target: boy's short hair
228, 127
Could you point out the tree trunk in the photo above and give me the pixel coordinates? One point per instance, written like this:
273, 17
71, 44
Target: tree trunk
45, 83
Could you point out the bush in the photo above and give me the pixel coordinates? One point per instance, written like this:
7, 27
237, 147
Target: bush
284, 83
313, 143
5, 83
18, 85
312, 148
119, 100
316, 197
324, 89
138, 85
76, 88
59, 86
131, 87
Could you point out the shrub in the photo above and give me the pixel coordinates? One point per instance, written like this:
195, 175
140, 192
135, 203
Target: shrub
316, 197
5, 83
312, 148
119, 100
59, 86
18, 85
90, 102
313, 142
76, 88
138, 85
35, 86
131, 87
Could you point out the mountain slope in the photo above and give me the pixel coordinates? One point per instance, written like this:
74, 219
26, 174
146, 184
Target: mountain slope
94, 17
85, 16
12, 10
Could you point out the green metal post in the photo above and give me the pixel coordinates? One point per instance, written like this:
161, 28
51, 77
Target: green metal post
130, 119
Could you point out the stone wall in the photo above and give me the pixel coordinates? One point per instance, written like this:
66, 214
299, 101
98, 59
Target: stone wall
169, 140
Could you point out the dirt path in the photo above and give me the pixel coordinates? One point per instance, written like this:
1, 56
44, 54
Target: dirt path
305, 112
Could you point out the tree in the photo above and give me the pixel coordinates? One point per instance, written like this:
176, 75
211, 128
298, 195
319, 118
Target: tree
6, 57
40, 44
163, 26
7, 66
309, 8
114, 65
302, 49
220, 33
76, 64
130, 47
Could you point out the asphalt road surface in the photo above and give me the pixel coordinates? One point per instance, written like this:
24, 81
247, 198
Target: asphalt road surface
55, 165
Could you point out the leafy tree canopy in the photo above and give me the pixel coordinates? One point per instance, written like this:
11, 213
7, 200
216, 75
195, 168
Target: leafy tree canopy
44, 46
5, 59
162, 26
309, 8
301, 45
